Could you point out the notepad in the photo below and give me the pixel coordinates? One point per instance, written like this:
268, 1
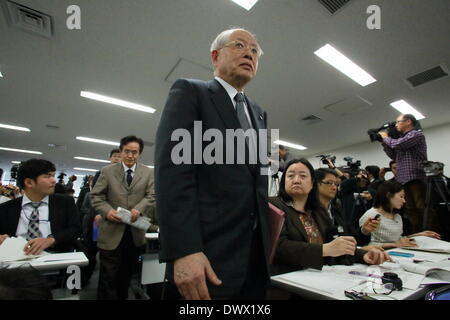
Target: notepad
430, 244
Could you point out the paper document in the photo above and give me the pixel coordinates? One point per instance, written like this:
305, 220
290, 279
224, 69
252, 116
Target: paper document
12, 250
419, 255
437, 270
59, 257
431, 245
142, 223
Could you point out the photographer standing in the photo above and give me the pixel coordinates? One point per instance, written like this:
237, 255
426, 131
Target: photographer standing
409, 152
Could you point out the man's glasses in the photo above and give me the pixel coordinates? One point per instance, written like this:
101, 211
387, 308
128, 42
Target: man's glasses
241, 46
132, 152
330, 183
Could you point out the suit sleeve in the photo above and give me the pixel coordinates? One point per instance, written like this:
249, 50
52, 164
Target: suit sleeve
98, 195
176, 184
72, 228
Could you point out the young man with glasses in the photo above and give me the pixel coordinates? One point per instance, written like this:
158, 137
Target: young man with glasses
48, 221
409, 152
129, 185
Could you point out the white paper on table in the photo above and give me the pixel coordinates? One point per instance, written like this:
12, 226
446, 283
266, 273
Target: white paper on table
430, 244
12, 250
142, 223
327, 280
421, 255
59, 257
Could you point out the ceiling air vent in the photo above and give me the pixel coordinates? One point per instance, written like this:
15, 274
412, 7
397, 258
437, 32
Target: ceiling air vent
427, 76
333, 5
312, 119
57, 147
51, 126
29, 20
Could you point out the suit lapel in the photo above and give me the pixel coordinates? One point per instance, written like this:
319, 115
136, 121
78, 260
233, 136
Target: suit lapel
52, 212
14, 215
223, 105
119, 174
137, 175
297, 223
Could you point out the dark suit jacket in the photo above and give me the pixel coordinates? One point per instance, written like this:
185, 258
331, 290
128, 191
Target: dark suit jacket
293, 251
208, 208
63, 216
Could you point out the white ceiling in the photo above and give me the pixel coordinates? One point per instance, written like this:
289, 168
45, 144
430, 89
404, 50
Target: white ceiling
127, 49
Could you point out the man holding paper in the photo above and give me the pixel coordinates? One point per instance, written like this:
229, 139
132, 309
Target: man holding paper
128, 185
46, 220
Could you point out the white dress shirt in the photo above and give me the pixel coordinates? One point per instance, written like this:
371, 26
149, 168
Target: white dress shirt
232, 93
125, 168
25, 215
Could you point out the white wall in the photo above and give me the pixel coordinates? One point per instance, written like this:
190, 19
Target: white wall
438, 142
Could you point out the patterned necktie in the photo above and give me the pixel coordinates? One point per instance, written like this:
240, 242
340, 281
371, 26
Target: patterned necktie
33, 225
129, 176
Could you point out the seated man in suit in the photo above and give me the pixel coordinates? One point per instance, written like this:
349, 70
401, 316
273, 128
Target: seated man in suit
49, 222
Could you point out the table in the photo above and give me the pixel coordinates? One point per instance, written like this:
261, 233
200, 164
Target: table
152, 270
332, 281
54, 261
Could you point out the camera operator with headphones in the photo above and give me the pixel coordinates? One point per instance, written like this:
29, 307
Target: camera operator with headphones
409, 151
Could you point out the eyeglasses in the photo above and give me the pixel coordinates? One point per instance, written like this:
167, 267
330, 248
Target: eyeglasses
241, 46
398, 121
132, 152
330, 183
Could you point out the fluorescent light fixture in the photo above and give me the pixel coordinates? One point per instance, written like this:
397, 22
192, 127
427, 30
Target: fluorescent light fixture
15, 162
84, 169
291, 145
152, 167
345, 65
91, 159
246, 4
118, 102
20, 150
405, 108
7, 126
112, 143
1, 76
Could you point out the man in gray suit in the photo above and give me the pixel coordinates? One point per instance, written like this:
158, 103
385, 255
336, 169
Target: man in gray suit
128, 185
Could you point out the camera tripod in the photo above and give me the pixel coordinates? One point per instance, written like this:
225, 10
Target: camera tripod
437, 183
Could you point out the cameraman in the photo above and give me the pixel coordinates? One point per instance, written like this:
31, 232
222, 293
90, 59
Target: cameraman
355, 198
409, 152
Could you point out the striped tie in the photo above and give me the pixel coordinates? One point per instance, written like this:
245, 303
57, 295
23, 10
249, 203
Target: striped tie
33, 226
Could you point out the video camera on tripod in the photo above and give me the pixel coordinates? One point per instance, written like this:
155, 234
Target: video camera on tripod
325, 157
433, 169
14, 170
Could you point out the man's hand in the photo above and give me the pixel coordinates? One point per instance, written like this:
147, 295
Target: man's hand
190, 274
3, 238
36, 246
113, 217
383, 134
370, 226
339, 247
97, 220
135, 214
375, 256
366, 195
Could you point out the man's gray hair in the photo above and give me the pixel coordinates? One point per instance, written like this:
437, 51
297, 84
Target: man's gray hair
224, 37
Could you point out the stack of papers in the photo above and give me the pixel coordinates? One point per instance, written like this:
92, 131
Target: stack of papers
142, 223
12, 250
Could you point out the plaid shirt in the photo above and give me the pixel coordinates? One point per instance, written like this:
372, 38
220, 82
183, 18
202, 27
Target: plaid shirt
409, 152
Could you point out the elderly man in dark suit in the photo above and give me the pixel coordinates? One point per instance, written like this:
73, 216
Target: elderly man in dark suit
213, 216
128, 185
49, 222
